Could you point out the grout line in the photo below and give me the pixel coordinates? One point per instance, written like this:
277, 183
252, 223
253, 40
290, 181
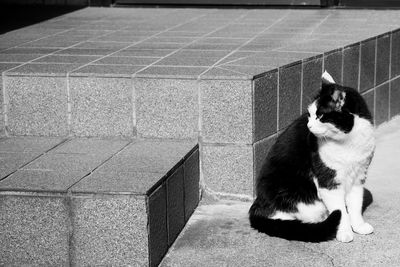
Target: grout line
134, 114
101, 164
375, 60
277, 98
145, 39
359, 68
301, 87
5, 104
35, 158
69, 106
194, 41
245, 43
390, 74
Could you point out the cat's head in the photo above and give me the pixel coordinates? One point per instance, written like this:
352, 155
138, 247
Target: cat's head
334, 110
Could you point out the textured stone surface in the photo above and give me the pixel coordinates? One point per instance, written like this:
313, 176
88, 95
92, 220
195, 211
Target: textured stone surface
33, 231
175, 204
149, 155
109, 230
367, 67
41, 180
101, 107
382, 59
312, 72
333, 64
44, 112
228, 168
394, 97
118, 181
192, 183
265, 105
289, 94
166, 108
382, 103
28, 144
226, 108
10, 162
158, 229
105, 147
351, 63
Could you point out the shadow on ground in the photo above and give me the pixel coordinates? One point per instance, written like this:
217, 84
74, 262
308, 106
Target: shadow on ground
18, 16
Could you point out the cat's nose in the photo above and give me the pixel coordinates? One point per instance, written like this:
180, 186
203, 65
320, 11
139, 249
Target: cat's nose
309, 125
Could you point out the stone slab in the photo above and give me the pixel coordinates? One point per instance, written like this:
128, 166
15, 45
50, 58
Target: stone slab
11, 162
101, 107
351, 63
43, 113
109, 230
228, 169
166, 108
29, 144
312, 72
226, 111
382, 59
34, 231
394, 97
192, 183
333, 65
367, 65
382, 103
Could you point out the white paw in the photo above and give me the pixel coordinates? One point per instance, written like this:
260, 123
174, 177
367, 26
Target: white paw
344, 236
363, 229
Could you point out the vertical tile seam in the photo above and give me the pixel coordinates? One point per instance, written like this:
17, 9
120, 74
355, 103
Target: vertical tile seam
134, 106
390, 74
5, 103
71, 230
301, 85
253, 99
69, 107
375, 60
277, 97
359, 68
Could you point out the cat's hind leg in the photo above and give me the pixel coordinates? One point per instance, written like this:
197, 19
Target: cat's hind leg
354, 201
334, 199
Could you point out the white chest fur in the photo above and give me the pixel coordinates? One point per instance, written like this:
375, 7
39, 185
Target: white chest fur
351, 156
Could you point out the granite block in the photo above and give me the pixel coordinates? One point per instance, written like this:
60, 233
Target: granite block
382, 59
187, 61
226, 109
369, 98
367, 67
381, 103
333, 65
83, 163
228, 168
34, 231
222, 73
312, 72
251, 71
395, 55
265, 105
175, 204
101, 107
289, 95
44, 112
192, 183
41, 180
166, 108
157, 225
351, 66
394, 97
105, 147
148, 156
118, 182
10, 162
109, 231
28, 144
260, 150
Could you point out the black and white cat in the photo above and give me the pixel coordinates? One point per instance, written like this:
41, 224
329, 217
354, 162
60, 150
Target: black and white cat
310, 187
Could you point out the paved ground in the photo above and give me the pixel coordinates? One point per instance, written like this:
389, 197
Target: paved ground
218, 234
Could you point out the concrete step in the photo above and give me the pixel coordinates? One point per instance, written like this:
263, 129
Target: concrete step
233, 79
94, 201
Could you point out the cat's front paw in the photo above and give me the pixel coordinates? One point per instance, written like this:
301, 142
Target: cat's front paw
344, 236
363, 229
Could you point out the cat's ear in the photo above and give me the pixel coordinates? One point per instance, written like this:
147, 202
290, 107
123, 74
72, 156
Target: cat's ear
327, 78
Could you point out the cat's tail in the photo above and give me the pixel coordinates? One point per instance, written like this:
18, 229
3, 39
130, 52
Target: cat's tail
297, 230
